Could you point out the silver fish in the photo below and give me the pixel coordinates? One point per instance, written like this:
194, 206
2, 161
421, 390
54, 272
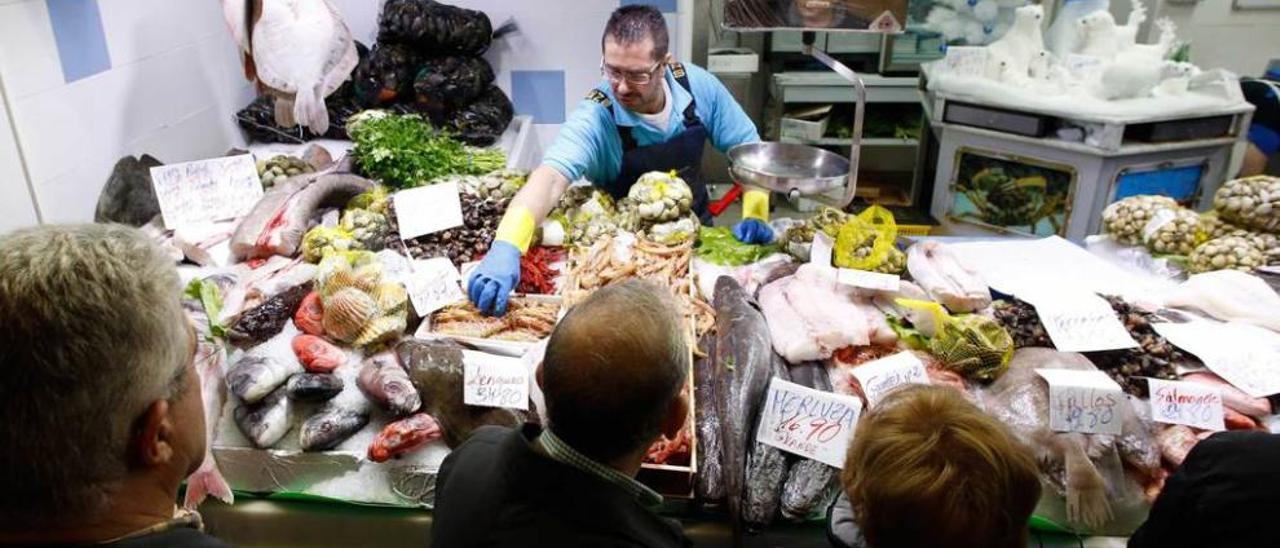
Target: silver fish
387, 384
253, 377
743, 358
265, 422
766, 470
314, 387
332, 425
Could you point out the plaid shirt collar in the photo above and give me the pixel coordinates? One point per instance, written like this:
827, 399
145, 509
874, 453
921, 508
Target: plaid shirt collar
557, 449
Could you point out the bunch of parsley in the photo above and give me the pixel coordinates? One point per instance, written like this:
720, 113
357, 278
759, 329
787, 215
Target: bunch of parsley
405, 151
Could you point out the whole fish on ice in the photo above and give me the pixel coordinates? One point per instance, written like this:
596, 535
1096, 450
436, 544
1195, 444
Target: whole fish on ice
403, 436
300, 51
277, 223
387, 384
809, 483
266, 421
332, 425
318, 355
437, 372
767, 468
313, 387
211, 358
254, 377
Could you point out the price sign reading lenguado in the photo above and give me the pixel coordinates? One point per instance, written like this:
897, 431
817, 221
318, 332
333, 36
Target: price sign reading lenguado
810, 423
494, 381
1083, 401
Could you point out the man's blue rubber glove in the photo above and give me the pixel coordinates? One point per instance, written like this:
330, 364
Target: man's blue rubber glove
491, 283
754, 226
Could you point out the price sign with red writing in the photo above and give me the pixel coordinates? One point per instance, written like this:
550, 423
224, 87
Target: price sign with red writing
1083, 401
810, 423
1189, 403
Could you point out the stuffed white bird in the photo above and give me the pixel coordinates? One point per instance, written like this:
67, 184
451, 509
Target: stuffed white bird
1103, 38
1021, 44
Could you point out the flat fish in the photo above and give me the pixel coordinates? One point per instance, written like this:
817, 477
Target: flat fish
766, 468
710, 482
302, 51
267, 319
744, 356
265, 422
436, 371
388, 385
810, 483
211, 359
331, 426
318, 355
254, 377
403, 436
313, 387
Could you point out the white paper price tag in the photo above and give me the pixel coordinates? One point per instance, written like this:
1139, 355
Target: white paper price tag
881, 376
1243, 355
820, 251
433, 284
1081, 322
868, 280
494, 381
968, 61
807, 422
428, 209
195, 193
1083, 401
1188, 403
1082, 65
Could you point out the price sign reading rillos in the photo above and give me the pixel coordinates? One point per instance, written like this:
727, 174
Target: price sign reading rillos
1083, 401
810, 423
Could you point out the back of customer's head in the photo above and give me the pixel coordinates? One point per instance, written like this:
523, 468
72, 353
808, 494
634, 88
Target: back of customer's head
927, 468
95, 356
613, 370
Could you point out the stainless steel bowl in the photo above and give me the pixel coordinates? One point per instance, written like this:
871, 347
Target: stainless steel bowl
788, 168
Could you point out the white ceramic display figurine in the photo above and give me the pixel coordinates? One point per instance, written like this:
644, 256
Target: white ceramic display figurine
1131, 76
1178, 83
1019, 47
1163, 45
1103, 38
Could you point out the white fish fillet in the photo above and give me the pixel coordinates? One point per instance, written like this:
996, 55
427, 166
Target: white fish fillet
945, 279
791, 339
810, 316
303, 51
1230, 295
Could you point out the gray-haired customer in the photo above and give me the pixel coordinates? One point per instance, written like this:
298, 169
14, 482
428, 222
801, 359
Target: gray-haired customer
612, 377
100, 414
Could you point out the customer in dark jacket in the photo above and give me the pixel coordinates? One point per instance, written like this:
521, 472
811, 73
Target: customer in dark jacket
100, 410
613, 379
1225, 494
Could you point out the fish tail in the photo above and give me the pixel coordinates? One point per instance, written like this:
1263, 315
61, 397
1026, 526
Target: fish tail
204, 482
309, 110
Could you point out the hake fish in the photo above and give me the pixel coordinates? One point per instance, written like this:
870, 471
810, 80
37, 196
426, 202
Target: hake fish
710, 482
743, 359
436, 370
766, 468
810, 483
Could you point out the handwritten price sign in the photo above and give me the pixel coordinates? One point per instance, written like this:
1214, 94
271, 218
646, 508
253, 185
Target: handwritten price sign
1189, 403
204, 191
1081, 322
432, 284
494, 381
807, 422
1244, 355
881, 376
1083, 401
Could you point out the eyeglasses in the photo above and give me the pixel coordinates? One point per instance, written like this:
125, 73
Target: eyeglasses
637, 78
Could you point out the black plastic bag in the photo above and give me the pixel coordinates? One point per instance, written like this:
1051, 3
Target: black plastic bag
435, 28
447, 82
483, 121
386, 75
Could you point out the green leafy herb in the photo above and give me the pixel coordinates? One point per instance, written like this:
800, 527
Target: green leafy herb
404, 151
718, 246
211, 299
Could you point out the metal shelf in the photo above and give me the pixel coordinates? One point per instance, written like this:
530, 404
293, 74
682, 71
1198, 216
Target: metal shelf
868, 142
826, 87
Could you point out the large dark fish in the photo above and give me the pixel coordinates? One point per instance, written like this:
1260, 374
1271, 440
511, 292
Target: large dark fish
744, 355
436, 371
277, 223
266, 421
332, 425
710, 483
766, 468
387, 384
810, 483
267, 319
313, 387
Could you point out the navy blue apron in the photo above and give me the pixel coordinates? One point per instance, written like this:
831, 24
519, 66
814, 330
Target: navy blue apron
682, 153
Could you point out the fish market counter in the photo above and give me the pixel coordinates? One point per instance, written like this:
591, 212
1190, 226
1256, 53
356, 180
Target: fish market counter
261, 522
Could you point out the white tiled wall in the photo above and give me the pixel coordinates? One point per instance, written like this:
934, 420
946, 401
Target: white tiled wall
1240, 41
16, 208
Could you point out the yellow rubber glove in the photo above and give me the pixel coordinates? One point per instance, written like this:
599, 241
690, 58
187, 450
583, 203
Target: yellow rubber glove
516, 228
754, 226
755, 205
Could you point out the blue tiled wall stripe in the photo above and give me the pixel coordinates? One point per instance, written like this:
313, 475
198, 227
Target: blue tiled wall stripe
539, 93
77, 30
664, 6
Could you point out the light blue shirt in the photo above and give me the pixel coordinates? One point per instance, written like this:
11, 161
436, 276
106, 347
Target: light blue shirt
589, 147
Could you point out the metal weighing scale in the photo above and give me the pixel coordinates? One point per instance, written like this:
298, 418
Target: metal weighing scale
794, 169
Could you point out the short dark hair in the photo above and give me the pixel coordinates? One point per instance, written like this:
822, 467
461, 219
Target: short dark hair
634, 23
612, 368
